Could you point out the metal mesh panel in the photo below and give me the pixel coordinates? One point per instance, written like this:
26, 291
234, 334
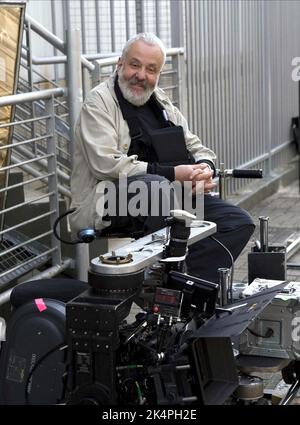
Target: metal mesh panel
107, 24
157, 19
16, 260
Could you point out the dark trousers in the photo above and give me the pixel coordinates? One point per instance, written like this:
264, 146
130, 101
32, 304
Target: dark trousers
234, 229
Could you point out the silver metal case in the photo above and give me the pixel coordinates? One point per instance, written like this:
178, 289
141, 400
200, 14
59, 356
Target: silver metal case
282, 316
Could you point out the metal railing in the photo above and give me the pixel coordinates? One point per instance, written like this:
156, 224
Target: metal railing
43, 118
27, 239
34, 80
106, 25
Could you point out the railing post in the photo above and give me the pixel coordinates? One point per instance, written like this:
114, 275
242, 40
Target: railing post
139, 14
177, 23
52, 179
54, 15
96, 74
74, 81
30, 80
268, 88
178, 63
86, 82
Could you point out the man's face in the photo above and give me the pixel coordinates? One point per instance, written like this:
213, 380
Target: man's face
139, 72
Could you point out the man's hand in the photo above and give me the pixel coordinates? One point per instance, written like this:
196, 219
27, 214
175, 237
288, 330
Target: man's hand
196, 173
205, 175
184, 173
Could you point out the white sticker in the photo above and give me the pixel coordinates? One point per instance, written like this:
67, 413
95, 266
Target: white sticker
2, 329
2, 69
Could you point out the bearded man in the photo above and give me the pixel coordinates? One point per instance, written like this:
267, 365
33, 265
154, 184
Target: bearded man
129, 127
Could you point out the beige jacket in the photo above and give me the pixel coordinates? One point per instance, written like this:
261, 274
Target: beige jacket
102, 141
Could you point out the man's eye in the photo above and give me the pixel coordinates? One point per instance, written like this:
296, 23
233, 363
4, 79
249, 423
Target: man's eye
134, 65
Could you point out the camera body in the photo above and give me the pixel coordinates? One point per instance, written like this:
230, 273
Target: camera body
156, 359
168, 355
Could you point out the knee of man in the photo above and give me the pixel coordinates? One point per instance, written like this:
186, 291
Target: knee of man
156, 184
160, 195
148, 182
247, 220
155, 178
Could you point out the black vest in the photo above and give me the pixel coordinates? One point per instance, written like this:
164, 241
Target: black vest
164, 145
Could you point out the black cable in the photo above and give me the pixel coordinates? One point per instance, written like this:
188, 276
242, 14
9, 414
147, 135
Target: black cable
232, 264
55, 228
269, 333
40, 360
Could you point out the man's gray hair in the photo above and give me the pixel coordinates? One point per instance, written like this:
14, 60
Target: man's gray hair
148, 38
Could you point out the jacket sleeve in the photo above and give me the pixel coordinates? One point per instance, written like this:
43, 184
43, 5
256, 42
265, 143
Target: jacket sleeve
97, 134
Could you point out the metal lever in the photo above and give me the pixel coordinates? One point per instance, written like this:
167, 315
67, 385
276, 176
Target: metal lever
224, 282
223, 173
263, 223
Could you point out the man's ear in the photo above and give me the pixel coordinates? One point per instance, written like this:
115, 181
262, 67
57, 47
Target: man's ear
119, 63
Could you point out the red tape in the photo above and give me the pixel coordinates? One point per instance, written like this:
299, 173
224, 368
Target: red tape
40, 304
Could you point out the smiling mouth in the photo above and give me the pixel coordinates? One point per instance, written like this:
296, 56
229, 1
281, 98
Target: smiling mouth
137, 87
140, 85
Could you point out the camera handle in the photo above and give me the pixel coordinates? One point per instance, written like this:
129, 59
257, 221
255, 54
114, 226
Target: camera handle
225, 274
178, 232
225, 293
223, 173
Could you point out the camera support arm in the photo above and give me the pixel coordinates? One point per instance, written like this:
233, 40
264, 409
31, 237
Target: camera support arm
149, 249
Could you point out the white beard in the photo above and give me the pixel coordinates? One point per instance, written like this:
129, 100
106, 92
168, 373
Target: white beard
135, 99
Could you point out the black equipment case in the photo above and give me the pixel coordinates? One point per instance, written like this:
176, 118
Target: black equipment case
35, 338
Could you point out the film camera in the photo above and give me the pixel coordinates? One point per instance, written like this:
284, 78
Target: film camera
168, 355
152, 360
